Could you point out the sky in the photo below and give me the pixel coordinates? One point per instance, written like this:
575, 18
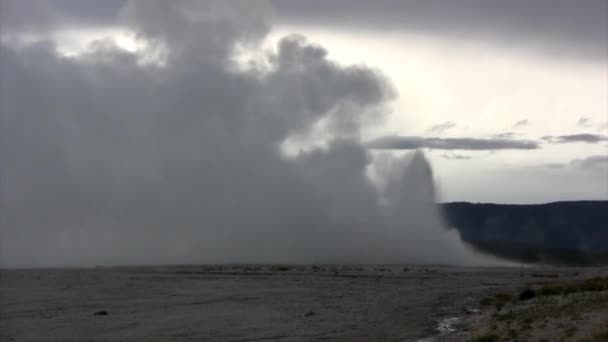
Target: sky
496, 70
122, 118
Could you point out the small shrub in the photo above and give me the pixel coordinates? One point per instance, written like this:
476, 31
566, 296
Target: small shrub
503, 297
500, 299
509, 316
527, 294
486, 301
551, 290
280, 268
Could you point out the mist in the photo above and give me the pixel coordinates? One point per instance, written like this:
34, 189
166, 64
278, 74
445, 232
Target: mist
176, 152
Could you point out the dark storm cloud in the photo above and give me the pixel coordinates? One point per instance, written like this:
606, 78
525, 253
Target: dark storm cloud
552, 27
440, 128
576, 138
106, 160
42, 16
414, 142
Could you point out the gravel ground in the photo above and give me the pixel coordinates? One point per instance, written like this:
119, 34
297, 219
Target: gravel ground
253, 302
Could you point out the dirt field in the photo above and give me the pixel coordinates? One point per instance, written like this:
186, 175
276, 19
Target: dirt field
255, 302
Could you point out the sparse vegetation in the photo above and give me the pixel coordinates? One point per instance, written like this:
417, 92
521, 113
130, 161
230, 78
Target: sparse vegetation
545, 275
593, 284
600, 333
559, 309
499, 300
485, 338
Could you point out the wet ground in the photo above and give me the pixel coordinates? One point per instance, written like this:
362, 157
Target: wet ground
253, 302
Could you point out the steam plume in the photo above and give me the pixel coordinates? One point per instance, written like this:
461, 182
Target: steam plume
174, 154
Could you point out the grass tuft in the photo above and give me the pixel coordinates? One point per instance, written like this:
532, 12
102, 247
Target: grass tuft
485, 338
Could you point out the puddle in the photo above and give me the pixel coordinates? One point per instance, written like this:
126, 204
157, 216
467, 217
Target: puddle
445, 326
450, 326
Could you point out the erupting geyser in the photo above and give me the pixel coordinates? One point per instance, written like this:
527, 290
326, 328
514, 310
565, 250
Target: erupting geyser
118, 157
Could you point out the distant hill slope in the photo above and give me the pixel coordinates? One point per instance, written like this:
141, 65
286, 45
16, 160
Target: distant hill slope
554, 233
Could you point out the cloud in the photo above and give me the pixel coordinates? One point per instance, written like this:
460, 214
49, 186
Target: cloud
110, 161
553, 27
584, 122
505, 135
603, 127
454, 156
440, 128
521, 123
474, 144
93, 13
26, 16
575, 138
42, 16
597, 162
555, 165
592, 162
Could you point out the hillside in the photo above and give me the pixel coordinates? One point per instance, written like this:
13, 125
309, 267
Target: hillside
554, 233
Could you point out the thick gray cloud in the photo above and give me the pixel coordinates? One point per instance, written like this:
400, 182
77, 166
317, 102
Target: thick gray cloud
110, 161
440, 128
576, 138
41, 16
552, 27
89, 13
555, 28
414, 142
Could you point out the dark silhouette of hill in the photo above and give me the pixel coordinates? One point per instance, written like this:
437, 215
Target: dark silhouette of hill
566, 233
